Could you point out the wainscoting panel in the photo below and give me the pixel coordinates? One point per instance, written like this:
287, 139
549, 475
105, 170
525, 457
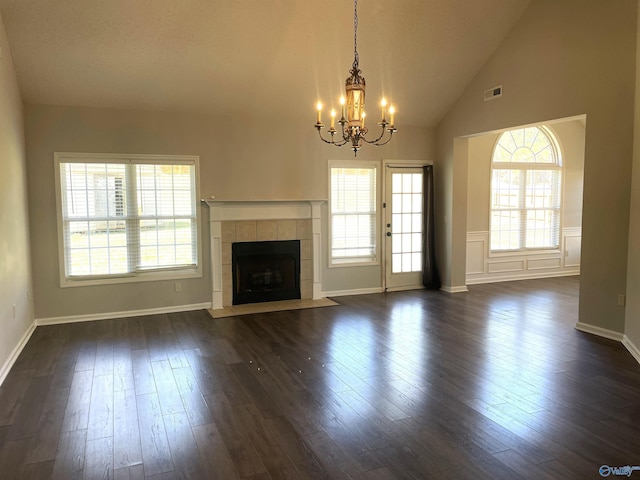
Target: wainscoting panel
544, 263
476, 248
572, 243
484, 267
502, 266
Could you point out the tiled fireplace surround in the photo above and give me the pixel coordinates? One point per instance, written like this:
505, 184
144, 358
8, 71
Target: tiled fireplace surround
251, 220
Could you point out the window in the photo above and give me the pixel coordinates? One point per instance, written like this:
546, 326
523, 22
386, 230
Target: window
525, 191
353, 213
126, 218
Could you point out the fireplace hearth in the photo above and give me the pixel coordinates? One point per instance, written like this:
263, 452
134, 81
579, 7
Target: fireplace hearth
265, 271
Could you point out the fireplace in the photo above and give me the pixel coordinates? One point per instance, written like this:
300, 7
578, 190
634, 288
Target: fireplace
241, 221
265, 271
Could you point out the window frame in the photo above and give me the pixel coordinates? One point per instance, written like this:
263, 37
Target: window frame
524, 168
152, 274
365, 260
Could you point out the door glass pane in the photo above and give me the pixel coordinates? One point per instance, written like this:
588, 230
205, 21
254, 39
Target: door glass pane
406, 228
406, 262
417, 202
406, 223
396, 265
396, 202
416, 259
417, 183
396, 181
417, 222
396, 223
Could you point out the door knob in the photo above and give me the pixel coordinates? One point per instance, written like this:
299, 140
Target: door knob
388, 234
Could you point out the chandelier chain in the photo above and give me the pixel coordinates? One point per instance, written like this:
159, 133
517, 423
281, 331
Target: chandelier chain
355, 34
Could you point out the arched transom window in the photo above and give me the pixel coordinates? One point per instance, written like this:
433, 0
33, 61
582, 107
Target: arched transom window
526, 174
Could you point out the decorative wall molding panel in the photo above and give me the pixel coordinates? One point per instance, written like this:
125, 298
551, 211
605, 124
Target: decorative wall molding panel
486, 267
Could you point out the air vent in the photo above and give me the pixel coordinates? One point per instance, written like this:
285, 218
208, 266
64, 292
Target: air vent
491, 93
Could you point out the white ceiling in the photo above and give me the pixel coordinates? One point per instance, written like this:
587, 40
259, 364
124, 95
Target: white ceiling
252, 57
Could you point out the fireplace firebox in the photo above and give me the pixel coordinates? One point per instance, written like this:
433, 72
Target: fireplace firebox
265, 271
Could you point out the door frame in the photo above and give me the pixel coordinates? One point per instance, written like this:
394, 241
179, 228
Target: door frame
383, 246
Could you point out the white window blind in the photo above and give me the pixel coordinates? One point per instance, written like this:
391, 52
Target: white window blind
353, 214
127, 216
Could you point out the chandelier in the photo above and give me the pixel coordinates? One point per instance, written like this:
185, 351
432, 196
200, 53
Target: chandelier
352, 115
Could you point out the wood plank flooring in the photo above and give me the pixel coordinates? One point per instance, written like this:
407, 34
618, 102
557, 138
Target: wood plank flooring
495, 383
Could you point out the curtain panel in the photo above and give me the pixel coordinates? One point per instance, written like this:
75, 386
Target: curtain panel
430, 277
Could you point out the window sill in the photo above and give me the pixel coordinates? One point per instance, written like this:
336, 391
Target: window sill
156, 276
352, 263
524, 253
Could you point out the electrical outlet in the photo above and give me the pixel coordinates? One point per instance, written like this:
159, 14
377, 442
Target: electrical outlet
178, 286
621, 299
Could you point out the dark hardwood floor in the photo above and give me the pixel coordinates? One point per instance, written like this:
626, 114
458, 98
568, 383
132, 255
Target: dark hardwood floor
495, 383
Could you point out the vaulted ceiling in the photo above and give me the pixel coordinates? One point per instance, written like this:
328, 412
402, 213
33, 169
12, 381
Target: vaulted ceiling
268, 58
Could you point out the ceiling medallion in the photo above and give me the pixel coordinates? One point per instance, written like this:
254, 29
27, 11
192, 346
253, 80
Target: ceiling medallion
352, 115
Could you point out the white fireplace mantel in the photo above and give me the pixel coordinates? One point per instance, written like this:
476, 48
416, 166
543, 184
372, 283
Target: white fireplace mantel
237, 210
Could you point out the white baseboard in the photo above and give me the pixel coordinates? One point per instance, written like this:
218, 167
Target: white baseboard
130, 313
355, 291
15, 353
633, 349
523, 276
459, 289
599, 331
610, 334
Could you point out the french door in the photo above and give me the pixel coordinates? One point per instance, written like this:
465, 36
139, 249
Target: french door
403, 227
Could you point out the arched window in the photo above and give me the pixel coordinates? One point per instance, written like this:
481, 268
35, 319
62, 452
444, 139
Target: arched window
526, 174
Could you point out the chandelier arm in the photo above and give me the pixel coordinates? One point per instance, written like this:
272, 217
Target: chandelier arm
382, 143
332, 141
375, 142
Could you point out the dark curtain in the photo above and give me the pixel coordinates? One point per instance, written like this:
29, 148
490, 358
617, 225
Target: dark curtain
430, 277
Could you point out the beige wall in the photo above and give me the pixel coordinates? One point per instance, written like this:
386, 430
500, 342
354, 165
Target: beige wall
479, 181
15, 265
570, 135
632, 314
240, 158
560, 60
